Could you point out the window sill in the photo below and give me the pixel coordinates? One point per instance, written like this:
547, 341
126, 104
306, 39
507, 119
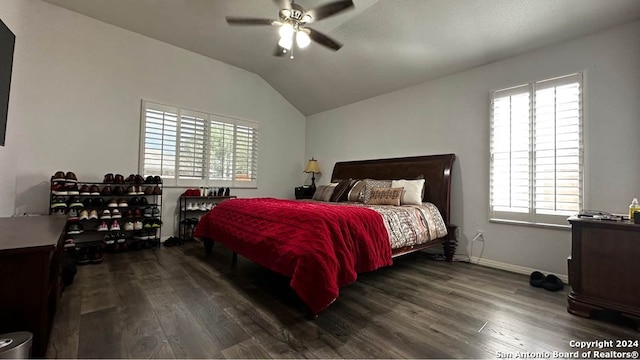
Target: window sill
531, 224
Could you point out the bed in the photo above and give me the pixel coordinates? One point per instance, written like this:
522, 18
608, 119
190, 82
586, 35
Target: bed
324, 246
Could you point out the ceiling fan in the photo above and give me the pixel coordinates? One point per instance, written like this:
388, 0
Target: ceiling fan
293, 23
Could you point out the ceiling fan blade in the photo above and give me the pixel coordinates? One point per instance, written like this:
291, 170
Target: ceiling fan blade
329, 9
279, 51
283, 4
250, 21
323, 39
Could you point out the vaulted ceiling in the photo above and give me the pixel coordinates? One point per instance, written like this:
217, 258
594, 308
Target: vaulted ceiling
388, 44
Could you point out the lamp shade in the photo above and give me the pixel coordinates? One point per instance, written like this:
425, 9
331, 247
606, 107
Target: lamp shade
312, 166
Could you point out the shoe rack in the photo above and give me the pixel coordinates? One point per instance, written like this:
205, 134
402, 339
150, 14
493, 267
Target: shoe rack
114, 215
192, 207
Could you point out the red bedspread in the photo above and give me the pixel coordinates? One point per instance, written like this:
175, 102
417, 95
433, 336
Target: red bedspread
321, 247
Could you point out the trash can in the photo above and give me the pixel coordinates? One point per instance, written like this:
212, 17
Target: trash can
16, 345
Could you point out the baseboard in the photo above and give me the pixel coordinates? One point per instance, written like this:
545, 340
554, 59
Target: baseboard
513, 268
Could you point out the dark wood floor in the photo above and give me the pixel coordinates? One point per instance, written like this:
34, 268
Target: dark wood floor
175, 303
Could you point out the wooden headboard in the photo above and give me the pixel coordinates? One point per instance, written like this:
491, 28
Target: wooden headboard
436, 170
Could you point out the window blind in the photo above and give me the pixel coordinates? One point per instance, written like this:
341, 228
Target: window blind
192, 146
536, 151
158, 145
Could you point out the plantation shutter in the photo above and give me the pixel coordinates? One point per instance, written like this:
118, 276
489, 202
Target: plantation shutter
158, 140
246, 151
558, 147
192, 160
221, 153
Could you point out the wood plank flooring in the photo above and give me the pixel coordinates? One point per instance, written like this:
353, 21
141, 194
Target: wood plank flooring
177, 303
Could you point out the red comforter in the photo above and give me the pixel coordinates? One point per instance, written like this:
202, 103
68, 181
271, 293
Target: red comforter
321, 247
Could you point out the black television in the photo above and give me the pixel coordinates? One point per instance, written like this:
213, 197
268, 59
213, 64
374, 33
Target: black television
7, 43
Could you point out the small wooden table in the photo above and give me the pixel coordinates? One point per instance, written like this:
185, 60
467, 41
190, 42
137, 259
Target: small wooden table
31, 250
604, 267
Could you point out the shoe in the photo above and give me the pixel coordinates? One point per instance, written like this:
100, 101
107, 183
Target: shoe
58, 189
109, 239
157, 180
118, 191
220, 192
112, 203
115, 226
227, 191
131, 190
59, 211
140, 235
87, 202
147, 224
83, 256
128, 226
130, 179
120, 238
157, 190
156, 223
106, 191
72, 189
137, 225
93, 214
59, 176
106, 214
73, 214
149, 180
118, 179
134, 201
138, 179
128, 214
97, 202
94, 190
148, 212
143, 201
122, 203
536, 279
552, 283
75, 202
69, 242
108, 179
155, 212
202, 207
59, 202
115, 214
70, 177
95, 257
103, 227
139, 190
84, 190
75, 229
148, 190
137, 213
84, 215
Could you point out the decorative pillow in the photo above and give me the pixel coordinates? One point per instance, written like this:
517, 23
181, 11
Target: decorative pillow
413, 191
385, 196
355, 193
326, 196
319, 191
370, 184
342, 190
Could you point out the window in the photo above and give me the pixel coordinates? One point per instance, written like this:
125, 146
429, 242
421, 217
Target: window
536, 152
189, 148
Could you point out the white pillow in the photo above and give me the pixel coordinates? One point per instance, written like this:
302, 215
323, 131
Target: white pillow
412, 194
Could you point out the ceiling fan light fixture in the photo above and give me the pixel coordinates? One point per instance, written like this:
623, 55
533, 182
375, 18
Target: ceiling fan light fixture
302, 39
286, 31
286, 42
306, 19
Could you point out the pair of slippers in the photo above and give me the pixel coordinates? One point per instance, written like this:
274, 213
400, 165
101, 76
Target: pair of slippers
549, 282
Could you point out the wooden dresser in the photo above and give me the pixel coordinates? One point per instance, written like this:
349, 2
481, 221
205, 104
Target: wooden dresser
604, 267
31, 251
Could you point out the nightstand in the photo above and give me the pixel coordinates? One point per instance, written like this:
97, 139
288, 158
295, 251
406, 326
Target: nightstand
304, 192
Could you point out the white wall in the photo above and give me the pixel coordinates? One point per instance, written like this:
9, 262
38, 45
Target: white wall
451, 114
75, 105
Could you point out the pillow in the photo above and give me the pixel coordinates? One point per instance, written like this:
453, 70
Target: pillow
355, 193
370, 184
326, 196
318, 195
342, 190
413, 191
385, 196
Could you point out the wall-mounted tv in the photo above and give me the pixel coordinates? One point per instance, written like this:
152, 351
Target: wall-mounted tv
7, 42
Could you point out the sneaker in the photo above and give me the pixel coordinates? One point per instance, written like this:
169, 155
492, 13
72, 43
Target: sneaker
84, 215
139, 190
137, 213
73, 214
156, 223
128, 214
87, 202
106, 214
115, 214
69, 242
148, 212
138, 179
103, 227
58, 189
137, 225
147, 224
143, 201
59, 202
115, 226
157, 190
106, 191
118, 191
202, 207
108, 179
98, 202
149, 180
155, 212
118, 179
75, 202
130, 179
84, 190
148, 190
93, 214
227, 191
120, 238
83, 256
192, 206
112, 203
157, 180
72, 189
70, 177
96, 256
109, 239
59, 176
131, 190
128, 226
74, 229
134, 201
94, 190
140, 235
122, 203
